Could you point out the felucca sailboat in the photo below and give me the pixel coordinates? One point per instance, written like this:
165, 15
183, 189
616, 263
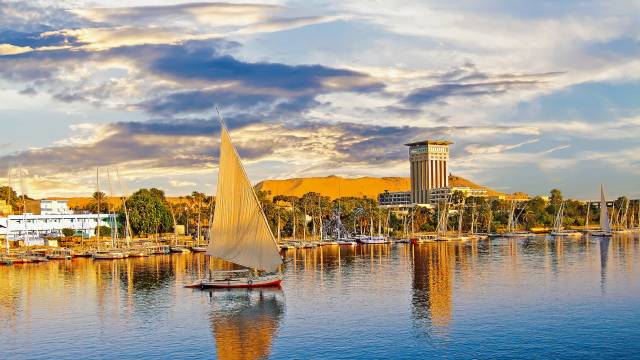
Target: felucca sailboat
240, 233
605, 225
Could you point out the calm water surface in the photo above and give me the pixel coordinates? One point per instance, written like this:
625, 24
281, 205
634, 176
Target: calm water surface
538, 298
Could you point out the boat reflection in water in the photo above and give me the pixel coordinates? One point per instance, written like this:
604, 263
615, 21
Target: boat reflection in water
245, 322
432, 286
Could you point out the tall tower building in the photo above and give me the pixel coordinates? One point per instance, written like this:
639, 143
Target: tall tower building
428, 168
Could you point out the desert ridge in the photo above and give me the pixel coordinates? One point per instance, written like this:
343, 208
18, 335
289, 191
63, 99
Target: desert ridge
335, 186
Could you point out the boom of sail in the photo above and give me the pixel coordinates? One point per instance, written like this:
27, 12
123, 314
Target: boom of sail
604, 214
240, 233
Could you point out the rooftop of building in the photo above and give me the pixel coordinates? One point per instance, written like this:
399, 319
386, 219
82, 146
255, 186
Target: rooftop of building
430, 142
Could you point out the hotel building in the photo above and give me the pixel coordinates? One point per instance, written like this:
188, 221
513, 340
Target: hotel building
428, 160
55, 216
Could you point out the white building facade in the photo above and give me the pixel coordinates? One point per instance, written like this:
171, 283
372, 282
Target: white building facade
30, 226
444, 194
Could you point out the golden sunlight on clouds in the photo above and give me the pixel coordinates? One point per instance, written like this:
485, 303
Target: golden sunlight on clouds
219, 14
106, 38
8, 49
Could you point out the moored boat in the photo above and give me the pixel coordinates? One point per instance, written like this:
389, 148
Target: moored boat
109, 255
364, 239
238, 279
60, 254
179, 249
240, 232
137, 252
158, 249
605, 225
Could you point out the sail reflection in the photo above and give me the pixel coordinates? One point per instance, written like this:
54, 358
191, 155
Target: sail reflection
432, 284
604, 256
244, 322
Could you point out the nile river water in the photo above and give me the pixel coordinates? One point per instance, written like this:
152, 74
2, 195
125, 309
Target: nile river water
533, 298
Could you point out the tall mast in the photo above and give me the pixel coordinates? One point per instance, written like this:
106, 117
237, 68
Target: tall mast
626, 210
460, 218
6, 239
320, 216
112, 214
199, 211
99, 196
379, 222
473, 218
412, 217
279, 242
490, 220
126, 211
304, 224
24, 209
293, 207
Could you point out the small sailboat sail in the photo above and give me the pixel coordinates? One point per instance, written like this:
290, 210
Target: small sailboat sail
604, 215
605, 226
240, 232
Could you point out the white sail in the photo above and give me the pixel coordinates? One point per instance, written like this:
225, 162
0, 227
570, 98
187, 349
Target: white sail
240, 232
604, 214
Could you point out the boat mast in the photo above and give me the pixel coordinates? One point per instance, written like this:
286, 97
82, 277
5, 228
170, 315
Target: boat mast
9, 190
320, 216
304, 224
388, 221
626, 210
24, 210
199, 211
473, 217
99, 196
293, 207
127, 229
490, 220
175, 226
279, 242
112, 215
412, 217
460, 217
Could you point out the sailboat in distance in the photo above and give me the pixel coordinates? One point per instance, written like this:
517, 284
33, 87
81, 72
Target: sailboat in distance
240, 233
605, 226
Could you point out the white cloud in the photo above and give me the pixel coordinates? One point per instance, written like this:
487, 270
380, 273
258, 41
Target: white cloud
178, 183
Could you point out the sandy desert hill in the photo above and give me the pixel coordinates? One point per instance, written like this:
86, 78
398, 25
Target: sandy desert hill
334, 186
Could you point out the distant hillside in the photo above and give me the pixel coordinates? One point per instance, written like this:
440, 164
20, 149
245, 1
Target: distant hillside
334, 186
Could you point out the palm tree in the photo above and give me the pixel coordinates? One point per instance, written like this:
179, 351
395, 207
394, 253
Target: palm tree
98, 198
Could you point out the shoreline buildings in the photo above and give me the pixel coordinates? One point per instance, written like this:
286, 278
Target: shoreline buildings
55, 216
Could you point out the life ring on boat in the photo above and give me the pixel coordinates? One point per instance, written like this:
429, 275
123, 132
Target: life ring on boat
250, 282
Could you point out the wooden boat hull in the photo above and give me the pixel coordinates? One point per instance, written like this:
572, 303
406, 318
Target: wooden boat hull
600, 233
138, 254
563, 234
242, 283
59, 257
350, 243
111, 256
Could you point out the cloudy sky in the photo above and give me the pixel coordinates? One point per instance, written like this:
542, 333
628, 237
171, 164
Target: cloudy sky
535, 94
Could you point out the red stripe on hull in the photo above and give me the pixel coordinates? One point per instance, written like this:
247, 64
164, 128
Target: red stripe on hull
222, 286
